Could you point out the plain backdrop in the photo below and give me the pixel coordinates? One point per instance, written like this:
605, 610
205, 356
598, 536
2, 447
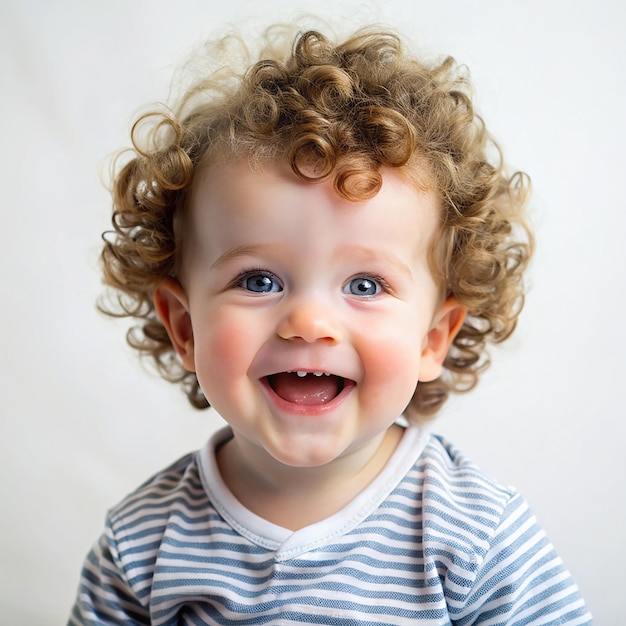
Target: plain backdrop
83, 423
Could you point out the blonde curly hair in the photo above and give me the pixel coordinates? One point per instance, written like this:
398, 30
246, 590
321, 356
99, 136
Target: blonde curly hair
349, 108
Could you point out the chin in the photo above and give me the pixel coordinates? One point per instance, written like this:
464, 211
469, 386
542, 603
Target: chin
305, 454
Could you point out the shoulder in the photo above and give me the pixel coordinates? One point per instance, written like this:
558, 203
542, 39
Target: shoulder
117, 574
464, 508
460, 509
455, 487
452, 467
487, 546
178, 482
168, 501
457, 508
482, 510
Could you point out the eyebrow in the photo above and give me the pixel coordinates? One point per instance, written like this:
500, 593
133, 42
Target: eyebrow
238, 251
362, 253
368, 255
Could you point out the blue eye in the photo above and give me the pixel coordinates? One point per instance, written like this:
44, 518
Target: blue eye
260, 283
362, 286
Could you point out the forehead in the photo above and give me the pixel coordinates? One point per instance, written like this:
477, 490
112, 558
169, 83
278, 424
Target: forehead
237, 204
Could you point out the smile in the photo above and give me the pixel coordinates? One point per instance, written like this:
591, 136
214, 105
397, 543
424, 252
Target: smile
307, 388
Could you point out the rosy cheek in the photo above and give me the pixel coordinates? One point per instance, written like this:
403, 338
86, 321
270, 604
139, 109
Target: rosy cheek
223, 346
391, 364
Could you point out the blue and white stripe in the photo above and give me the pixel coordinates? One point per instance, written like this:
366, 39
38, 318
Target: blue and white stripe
431, 541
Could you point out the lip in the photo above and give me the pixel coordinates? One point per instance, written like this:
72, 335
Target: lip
312, 410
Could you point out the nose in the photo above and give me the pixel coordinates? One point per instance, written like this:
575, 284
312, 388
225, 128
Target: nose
309, 321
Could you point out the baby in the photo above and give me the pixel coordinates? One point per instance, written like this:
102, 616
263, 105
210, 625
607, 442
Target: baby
321, 247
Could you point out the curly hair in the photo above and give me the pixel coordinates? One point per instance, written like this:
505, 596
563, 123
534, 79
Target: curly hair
348, 108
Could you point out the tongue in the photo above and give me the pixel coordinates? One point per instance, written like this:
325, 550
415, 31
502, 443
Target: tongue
309, 389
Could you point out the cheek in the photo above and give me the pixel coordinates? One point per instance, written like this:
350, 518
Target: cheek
391, 361
223, 344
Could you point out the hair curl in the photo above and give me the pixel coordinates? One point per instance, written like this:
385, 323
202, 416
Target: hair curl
347, 109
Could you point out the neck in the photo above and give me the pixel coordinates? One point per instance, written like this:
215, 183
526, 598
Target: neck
295, 497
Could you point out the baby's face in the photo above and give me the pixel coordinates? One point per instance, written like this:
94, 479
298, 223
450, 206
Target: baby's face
313, 317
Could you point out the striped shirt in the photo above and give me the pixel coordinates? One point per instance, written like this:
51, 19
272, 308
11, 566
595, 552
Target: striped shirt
432, 540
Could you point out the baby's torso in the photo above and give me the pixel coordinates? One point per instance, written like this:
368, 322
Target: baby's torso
198, 556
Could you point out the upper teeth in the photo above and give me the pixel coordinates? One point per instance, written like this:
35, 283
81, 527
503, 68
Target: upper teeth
303, 374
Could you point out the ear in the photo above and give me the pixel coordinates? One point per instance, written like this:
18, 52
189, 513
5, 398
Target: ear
445, 326
172, 307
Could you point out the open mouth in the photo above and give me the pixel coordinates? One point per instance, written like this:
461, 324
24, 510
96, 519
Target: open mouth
307, 388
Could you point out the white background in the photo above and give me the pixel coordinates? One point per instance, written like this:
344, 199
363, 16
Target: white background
82, 424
